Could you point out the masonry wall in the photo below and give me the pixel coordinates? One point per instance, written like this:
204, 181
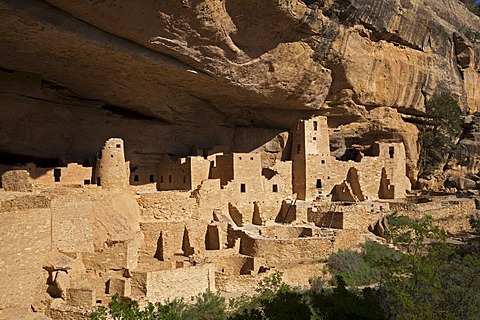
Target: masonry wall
72, 225
162, 240
167, 205
450, 214
144, 175
163, 285
223, 168
276, 251
182, 174
17, 180
25, 238
316, 173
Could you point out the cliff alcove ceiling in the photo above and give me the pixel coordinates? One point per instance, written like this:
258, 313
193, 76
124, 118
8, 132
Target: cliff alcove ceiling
192, 72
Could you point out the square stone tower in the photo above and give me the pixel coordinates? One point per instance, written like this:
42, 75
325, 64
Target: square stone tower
310, 154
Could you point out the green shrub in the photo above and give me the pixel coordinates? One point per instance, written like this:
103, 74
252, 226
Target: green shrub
363, 268
275, 300
351, 267
207, 306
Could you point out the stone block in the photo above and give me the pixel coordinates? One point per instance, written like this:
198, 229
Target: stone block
81, 297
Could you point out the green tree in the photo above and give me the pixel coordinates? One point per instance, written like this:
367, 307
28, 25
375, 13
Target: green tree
436, 138
435, 281
275, 300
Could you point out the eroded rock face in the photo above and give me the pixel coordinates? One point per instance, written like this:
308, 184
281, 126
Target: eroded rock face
193, 72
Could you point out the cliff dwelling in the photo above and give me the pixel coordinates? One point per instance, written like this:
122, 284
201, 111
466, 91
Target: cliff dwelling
161, 149
198, 219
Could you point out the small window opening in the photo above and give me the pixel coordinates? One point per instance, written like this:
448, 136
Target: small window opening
98, 181
251, 158
298, 148
135, 178
319, 183
323, 161
170, 179
56, 174
275, 188
118, 145
315, 125
243, 187
240, 158
111, 156
391, 152
152, 178
161, 179
86, 181
314, 138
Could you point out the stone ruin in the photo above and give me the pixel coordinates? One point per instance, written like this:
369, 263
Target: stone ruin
77, 235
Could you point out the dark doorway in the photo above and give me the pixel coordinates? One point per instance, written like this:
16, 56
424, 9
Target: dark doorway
319, 183
243, 187
159, 251
98, 181
152, 178
391, 152
56, 174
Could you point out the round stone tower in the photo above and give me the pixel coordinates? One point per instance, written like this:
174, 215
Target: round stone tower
112, 172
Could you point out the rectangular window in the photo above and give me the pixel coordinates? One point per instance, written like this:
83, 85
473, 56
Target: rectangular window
98, 181
323, 161
152, 178
243, 187
275, 188
315, 125
314, 138
161, 179
251, 158
86, 181
170, 179
298, 148
118, 145
319, 183
391, 152
135, 178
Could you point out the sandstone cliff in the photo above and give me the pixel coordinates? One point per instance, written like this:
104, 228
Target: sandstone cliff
167, 76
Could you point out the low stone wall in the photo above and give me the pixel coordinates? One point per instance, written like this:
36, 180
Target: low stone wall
450, 214
277, 251
167, 205
159, 286
24, 202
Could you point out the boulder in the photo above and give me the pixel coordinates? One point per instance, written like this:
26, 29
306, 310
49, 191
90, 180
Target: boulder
459, 183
